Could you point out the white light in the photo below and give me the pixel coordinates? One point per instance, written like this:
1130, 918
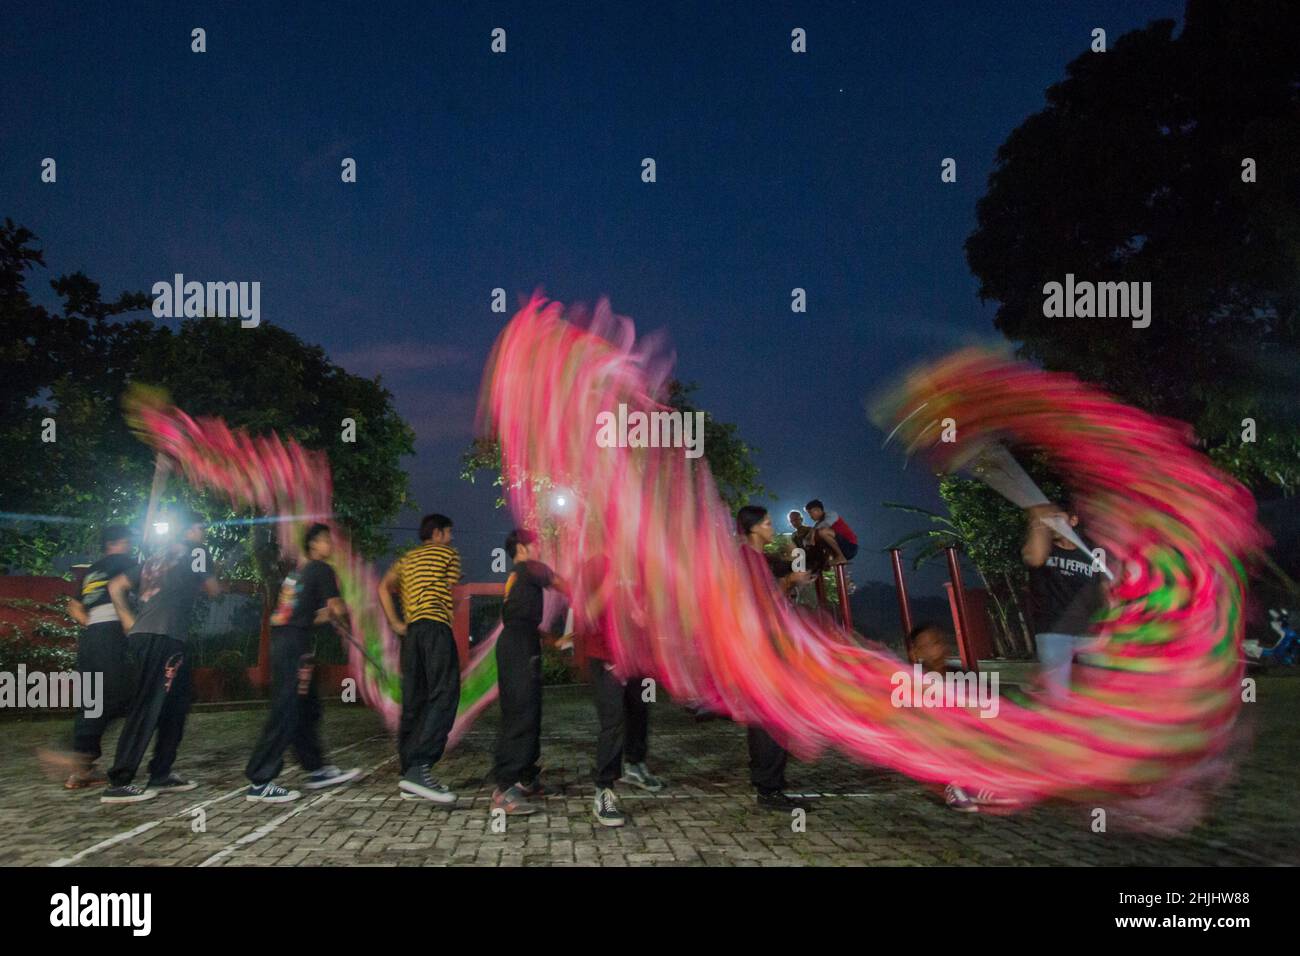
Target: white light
560, 501
161, 527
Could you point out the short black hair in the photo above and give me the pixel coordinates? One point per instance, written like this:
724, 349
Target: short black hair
517, 537
114, 533
749, 516
431, 523
815, 503
920, 629
312, 533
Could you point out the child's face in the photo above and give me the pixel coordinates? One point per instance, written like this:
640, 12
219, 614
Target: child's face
928, 648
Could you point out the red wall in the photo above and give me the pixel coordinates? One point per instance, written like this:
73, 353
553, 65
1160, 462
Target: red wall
30, 587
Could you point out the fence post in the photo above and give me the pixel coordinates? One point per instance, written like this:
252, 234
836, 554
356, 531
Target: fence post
900, 586
969, 659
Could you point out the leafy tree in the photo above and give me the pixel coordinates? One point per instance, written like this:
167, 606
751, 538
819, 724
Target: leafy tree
265, 379
1133, 172
730, 458
69, 366
74, 367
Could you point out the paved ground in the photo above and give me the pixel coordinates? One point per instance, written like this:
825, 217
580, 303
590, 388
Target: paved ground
706, 817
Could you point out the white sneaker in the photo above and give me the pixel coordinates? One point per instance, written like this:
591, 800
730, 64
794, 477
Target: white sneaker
606, 810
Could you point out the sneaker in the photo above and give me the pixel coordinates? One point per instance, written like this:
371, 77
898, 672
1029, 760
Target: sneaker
639, 775
957, 799
127, 793
271, 793
419, 783
533, 790
329, 776
513, 801
990, 798
606, 810
86, 777
964, 802
173, 784
780, 801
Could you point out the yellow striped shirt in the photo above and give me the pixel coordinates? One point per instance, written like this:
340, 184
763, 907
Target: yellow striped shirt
425, 575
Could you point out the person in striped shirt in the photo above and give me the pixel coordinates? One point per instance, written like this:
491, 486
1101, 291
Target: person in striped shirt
422, 579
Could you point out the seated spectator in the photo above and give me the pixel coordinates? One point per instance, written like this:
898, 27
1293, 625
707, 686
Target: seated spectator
927, 646
834, 532
804, 536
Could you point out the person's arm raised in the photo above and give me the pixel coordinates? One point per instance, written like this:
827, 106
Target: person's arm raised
1038, 539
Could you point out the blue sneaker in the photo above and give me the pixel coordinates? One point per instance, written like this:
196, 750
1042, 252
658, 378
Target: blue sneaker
271, 793
418, 784
127, 793
639, 775
330, 776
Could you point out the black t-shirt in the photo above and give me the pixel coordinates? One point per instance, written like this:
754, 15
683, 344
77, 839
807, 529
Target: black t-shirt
522, 609
304, 592
1066, 590
167, 586
94, 586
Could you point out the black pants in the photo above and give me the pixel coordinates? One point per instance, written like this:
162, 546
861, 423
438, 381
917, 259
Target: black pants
430, 693
624, 722
102, 650
161, 702
767, 761
519, 680
295, 708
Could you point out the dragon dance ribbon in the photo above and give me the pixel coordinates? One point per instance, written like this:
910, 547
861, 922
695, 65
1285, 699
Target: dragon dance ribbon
1150, 715
283, 478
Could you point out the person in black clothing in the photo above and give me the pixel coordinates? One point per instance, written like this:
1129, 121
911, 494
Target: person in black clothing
100, 650
166, 587
308, 596
1066, 586
767, 758
622, 712
519, 678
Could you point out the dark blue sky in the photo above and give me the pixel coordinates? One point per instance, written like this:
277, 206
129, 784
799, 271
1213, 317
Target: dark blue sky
521, 170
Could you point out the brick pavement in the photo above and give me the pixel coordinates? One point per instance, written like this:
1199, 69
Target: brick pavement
862, 816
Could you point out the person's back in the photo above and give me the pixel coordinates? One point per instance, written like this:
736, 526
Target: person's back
426, 575
522, 608
423, 579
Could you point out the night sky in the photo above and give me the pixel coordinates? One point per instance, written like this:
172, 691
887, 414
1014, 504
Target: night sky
521, 170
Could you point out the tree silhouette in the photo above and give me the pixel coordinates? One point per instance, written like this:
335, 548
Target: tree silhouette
1136, 171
